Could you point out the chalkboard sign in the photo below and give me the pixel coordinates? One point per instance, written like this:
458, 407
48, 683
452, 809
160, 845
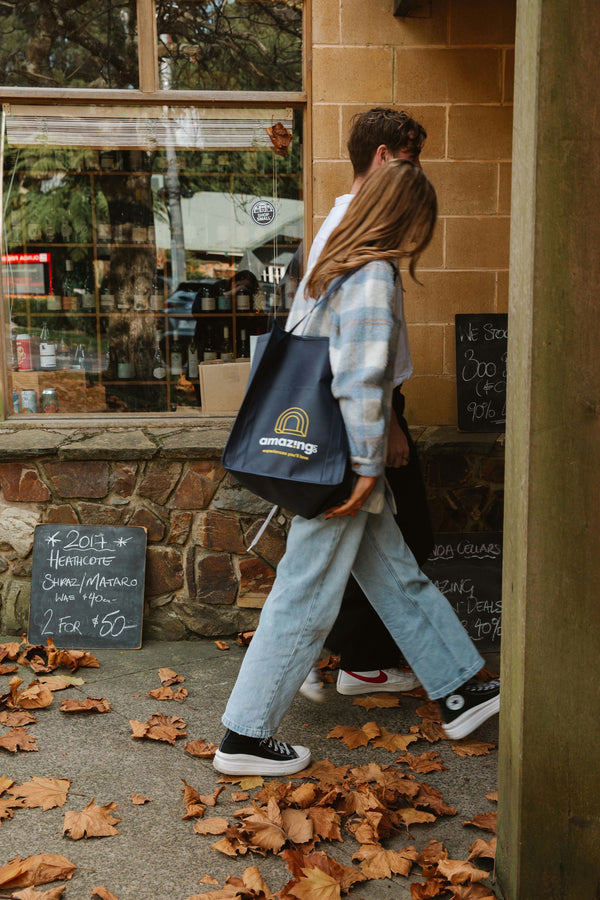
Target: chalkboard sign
467, 569
481, 345
87, 586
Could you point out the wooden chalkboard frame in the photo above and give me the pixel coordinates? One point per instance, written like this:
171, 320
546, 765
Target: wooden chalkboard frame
467, 569
87, 586
481, 350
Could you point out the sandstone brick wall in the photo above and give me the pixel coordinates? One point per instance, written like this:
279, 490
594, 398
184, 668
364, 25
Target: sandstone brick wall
200, 579
452, 68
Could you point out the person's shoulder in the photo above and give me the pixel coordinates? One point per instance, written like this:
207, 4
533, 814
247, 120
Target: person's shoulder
379, 269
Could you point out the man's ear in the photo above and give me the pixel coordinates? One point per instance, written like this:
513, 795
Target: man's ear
382, 155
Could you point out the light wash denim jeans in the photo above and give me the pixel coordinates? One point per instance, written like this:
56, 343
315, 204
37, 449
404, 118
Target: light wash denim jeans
305, 600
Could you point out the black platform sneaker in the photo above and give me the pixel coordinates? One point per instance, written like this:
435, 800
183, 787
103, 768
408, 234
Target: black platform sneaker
242, 755
469, 706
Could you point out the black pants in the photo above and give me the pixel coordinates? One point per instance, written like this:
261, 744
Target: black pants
358, 634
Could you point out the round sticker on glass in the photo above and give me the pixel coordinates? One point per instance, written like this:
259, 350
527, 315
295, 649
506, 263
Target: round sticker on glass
263, 212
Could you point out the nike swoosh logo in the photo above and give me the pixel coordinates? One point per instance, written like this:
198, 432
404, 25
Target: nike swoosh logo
370, 679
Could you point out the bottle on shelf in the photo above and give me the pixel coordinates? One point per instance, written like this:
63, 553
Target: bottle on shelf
242, 300
192, 360
210, 351
70, 299
224, 300
156, 299
107, 300
260, 298
63, 353
207, 300
176, 356
226, 350
243, 349
124, 366
78, 361
159, 366
47, 350
88, 298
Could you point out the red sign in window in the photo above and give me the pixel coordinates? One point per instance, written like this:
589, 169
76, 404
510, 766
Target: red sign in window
26, 273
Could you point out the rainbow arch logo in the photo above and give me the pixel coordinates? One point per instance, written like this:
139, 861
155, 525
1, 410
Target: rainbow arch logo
292, 421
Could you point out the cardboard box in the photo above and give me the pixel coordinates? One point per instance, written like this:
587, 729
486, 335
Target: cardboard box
223, 385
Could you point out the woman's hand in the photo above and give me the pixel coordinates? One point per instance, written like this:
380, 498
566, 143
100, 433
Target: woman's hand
398, 450
364, 487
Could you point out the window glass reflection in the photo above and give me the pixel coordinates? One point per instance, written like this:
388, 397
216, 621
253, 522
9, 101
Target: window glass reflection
125, 268
58, 43
230, 45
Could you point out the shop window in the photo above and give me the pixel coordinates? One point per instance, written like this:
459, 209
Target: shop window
136, 244
230, 45
58, 44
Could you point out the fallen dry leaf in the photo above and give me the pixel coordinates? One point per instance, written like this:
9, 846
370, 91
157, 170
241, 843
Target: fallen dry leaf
36, 696
244, 637
280, 138
159, 728
426, 890
472, 748
315, 884
246, 782
265, 827
374, 701
194, 808
90, 704
251, 886
168, 677
221, 645
31, 894
485, 821
394, 742
380, 863
429, 797
483, 849
239, 796
7, 809
472, 892
324, 770
102, 894
201, 748
297, 862
18, 739
41, 868
207, 879
409, 816
355, 737
46, 793
167, 693
60, 682
17, 718
492, 796
460, 871
426, 762
7, 670
430, 711
92, 821
5, 783
139, 799
214, 825
429, 731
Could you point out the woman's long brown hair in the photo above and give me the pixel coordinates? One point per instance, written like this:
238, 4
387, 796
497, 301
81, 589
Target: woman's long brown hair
392, 216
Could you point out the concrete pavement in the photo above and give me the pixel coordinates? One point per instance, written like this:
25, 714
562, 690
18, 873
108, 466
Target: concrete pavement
156, 855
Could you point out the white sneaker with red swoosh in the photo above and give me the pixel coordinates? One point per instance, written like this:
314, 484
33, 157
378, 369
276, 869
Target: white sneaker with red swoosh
376, 680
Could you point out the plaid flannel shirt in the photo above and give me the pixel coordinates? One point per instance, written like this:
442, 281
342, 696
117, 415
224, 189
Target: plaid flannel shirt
357, 315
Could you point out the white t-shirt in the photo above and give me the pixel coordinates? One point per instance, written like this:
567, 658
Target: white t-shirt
403, 367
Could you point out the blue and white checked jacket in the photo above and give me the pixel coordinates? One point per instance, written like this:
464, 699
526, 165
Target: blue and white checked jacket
359, 319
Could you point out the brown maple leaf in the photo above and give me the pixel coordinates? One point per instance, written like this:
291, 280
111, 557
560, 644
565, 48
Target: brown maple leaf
426, 762
46, 793
10, 650
92, 821
90, 704
326, 823
60, 682
139, 799
393, 742
213, 825
460, 871
472, 748
374, 701
168, 677
429, 731
221, 645
431, 854
159, 728
201, 748
427, 890
315, 884
326, 771
230, 846
244, 637
36, 696
298, 825
355, 737
18, 739
194, 808
380, 863
485, 821
280, 138
298, 862
17, 718
472, 892
409, 816
167, 693
239, 796
483, 849
7, 809
430, 711
7, 670
246, 782
492, 796
30, 894
41, 868
429, 797
265, 828
102, 894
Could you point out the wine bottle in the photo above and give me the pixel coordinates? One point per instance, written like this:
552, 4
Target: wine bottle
210, 351
243, 349
47, 350
159, 367
176, 353
192, 360
226, 350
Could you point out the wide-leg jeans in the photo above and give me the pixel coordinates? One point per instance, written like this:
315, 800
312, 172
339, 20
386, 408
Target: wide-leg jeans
305, 600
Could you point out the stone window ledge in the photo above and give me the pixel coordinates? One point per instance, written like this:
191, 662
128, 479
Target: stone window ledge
179, 440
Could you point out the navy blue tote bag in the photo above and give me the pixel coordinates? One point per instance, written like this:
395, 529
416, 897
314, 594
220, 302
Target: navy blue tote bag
288, 443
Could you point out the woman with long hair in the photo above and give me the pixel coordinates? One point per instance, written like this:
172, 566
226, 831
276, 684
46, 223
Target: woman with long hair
392, 217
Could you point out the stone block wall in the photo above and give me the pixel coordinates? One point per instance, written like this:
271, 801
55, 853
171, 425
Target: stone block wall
451, 65
200, 579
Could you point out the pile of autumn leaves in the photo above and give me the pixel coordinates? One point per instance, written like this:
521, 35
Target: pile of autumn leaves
371, 802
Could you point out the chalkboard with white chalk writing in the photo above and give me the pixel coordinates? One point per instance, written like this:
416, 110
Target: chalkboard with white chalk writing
87, 586
467, 569
481, 347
